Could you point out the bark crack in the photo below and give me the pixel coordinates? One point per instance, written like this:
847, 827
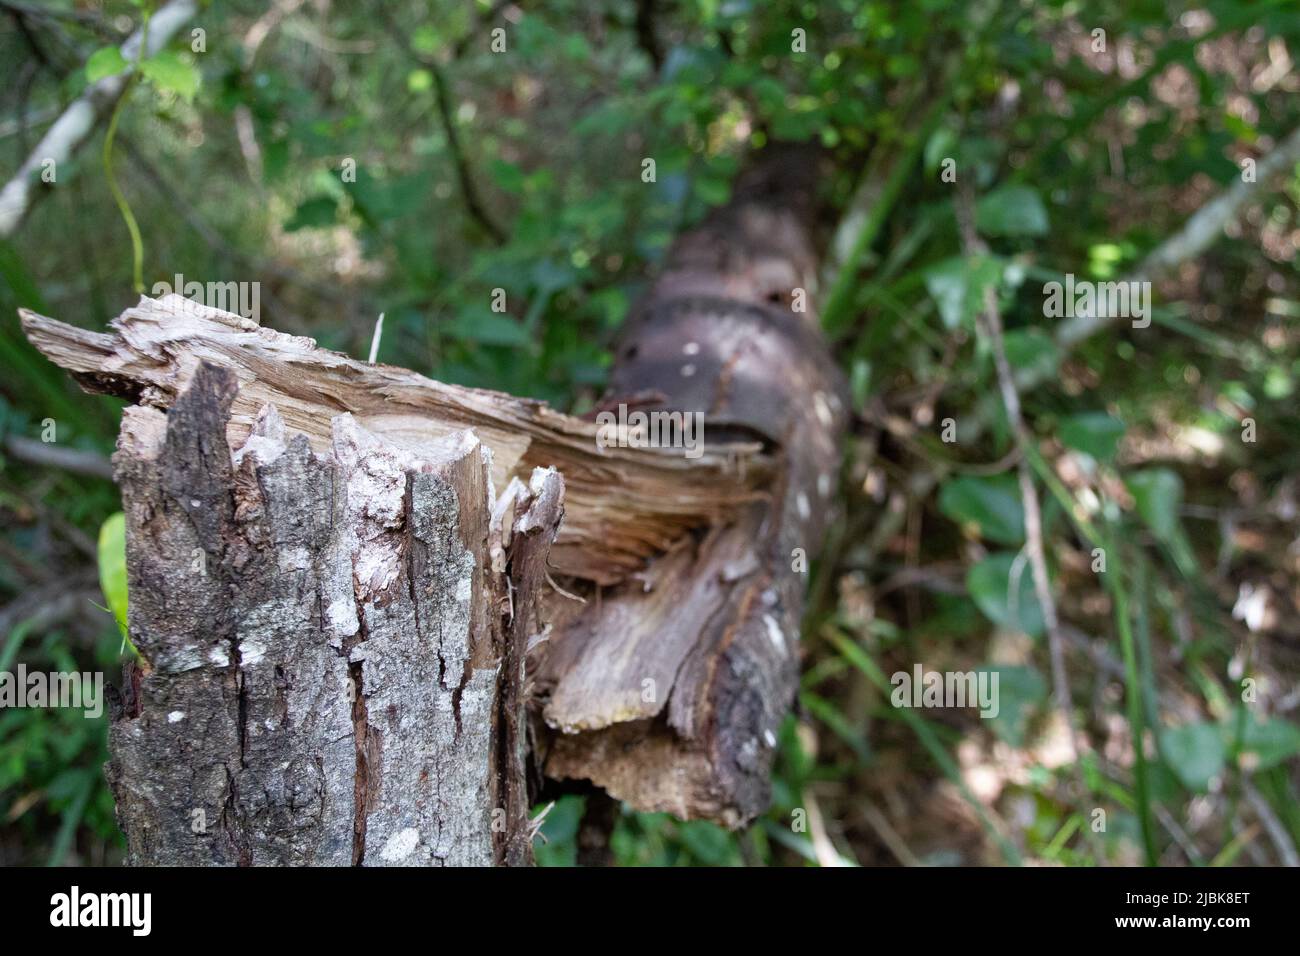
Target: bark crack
361, 791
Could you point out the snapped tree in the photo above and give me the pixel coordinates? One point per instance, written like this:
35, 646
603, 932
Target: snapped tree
373, 610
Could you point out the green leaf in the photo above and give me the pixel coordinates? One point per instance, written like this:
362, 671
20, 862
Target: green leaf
1032, 350
313, 213
1093, 433
941, 145
1270, 741
957, 286
1158, 494
1195, 753
992, 505
988, 583
106, 61
489, 328
556, 843
1021, 690
1011, 211
708, 843
167, 71
112, 568
420, 80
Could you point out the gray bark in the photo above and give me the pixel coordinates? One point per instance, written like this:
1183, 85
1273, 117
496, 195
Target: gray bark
329, 667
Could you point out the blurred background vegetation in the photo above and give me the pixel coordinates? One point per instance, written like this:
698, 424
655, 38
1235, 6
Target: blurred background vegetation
521, 170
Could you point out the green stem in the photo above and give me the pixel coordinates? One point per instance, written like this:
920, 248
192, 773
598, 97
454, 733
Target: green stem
839, 302
137, 245
859, 658
1133, 685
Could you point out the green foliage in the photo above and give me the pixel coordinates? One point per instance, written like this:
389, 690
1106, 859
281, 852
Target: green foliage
1093, 433
1195, 752
1011, 211
104, 62
958, 287
1022, 693
1075, 164
990, 507
171, 74
112, 569
1003, 588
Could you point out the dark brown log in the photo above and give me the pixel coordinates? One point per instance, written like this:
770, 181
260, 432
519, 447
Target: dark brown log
668, 690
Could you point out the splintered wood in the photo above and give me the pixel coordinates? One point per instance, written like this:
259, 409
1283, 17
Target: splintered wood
625, 504
409, 592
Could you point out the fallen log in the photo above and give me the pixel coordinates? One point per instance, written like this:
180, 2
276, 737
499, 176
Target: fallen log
668, 691
368, 528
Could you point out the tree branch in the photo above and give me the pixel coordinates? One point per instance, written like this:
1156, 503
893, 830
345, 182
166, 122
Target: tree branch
78, 121
442, 96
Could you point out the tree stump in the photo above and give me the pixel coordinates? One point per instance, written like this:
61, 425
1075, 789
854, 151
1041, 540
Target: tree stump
330, 661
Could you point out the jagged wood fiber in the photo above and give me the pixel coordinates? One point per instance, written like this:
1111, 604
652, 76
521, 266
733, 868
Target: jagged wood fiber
624, 504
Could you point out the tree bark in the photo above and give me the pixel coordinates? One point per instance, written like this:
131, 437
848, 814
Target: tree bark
378, 647
330, 671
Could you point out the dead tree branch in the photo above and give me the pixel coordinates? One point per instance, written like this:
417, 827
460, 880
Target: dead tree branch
78, 121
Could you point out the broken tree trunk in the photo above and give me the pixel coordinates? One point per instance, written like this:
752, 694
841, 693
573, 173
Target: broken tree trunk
374, 641
668, 689
327, 675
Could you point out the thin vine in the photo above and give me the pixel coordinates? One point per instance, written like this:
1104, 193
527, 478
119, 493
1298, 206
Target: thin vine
137, 245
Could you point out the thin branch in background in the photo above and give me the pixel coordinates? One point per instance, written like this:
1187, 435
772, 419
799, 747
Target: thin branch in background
442, 97
1201, 230
647, 37
252, 263
469, 192
264, 26
990, 320
1185, 245
47, 455
1274, 827
889, 836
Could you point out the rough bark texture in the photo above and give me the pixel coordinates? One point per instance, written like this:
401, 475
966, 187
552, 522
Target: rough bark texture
668, 690
329, 670
371, 551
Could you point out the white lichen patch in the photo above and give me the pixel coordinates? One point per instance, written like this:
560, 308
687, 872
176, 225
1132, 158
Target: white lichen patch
251, 652
341, 615
774, 633
401, 845
293, 559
